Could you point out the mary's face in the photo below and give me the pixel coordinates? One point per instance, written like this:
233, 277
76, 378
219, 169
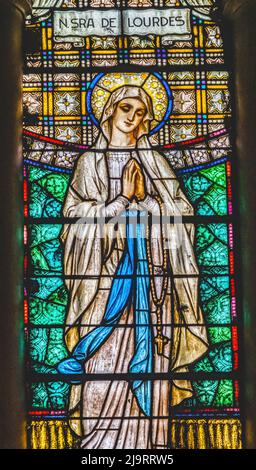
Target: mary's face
128, 114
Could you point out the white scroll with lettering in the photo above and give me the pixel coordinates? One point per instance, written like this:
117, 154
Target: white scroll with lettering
171, 22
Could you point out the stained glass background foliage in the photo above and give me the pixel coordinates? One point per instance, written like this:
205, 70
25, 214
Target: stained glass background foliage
60, 122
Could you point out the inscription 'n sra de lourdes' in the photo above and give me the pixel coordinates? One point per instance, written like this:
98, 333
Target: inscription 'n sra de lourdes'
137, 22
155, 21
152, 21
109, 24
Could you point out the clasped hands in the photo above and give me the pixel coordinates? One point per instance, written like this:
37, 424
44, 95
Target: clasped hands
133, 181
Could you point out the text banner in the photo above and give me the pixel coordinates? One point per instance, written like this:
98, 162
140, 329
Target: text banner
171, 22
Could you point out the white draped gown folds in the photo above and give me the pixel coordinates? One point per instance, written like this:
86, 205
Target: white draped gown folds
106, 413
93, 261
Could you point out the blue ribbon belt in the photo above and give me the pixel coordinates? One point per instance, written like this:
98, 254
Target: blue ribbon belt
130, 284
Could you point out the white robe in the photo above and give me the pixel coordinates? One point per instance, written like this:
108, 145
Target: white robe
106, 413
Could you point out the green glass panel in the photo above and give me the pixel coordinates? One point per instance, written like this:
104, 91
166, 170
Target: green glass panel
205, 391
216, 174
35, 173
38, 260
215, 299
46, 259
217, 199
60, 296
55, 184
211, 245
41, 233
46, 251
212, 286
219, 334
206, 190
48, 300
218, 359
56, 350
225, 395
217, 309
50, 396
47, 190
43, 369
195, 186
42, 288
207, 234
52, 208
38, 344
215, 254
204, 209
204, 238
38, 199
42, 205
45, 313
203, 365
220, 231
221, 357
47, 345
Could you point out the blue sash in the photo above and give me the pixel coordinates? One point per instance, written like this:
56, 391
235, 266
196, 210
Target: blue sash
130, 284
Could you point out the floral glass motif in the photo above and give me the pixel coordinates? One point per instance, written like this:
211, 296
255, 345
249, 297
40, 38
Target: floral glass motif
170, 379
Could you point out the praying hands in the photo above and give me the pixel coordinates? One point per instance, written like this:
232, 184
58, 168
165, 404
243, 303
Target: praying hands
133, 181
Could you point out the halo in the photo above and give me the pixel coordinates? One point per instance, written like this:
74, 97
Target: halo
152, 83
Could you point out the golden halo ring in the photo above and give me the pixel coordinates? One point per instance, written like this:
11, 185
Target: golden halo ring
152, 83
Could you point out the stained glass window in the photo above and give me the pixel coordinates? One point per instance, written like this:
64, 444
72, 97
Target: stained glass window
131, 323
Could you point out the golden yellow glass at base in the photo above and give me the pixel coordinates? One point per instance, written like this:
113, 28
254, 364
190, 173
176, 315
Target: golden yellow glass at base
185, 434
51, 434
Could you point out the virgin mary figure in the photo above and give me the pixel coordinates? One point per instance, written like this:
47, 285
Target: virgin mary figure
134, 321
